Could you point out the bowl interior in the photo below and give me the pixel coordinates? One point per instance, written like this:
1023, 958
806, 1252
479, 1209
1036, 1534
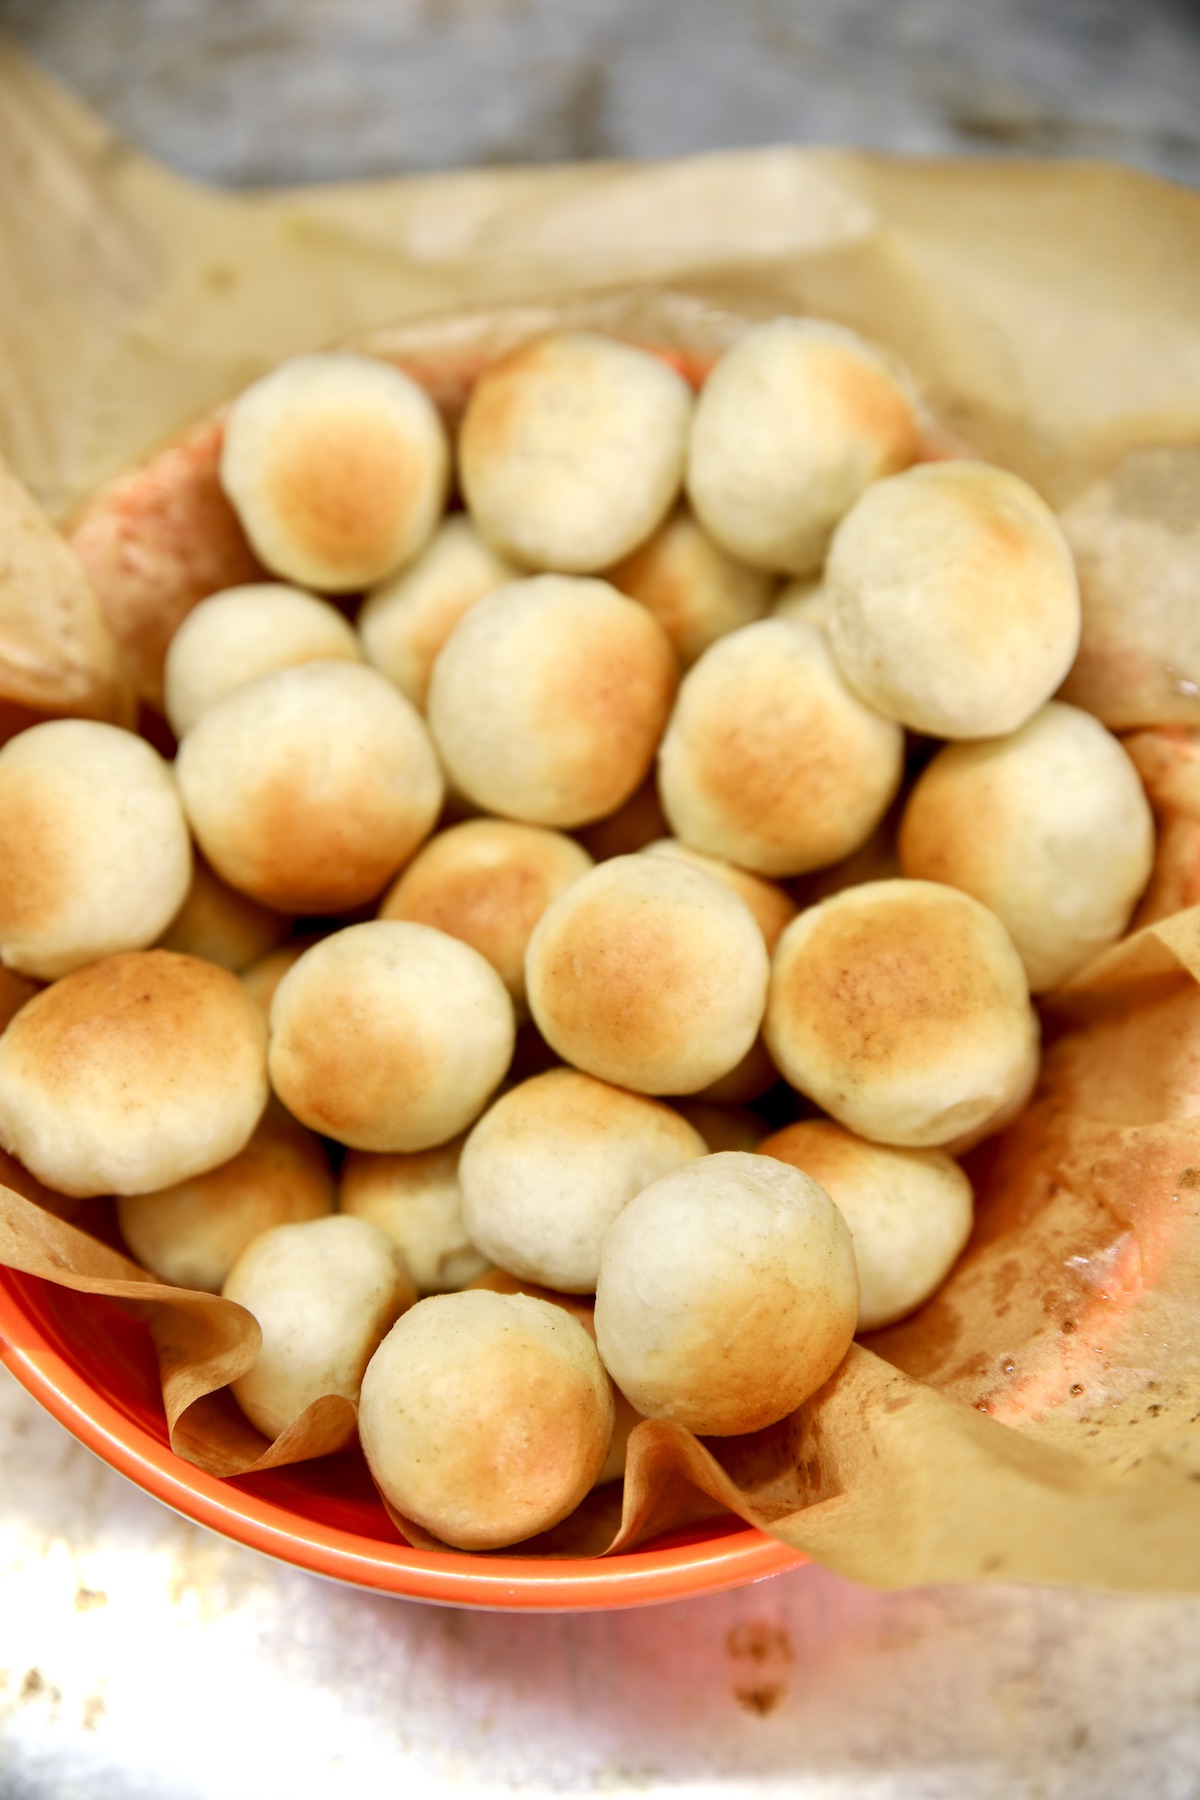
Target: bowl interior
94, 1368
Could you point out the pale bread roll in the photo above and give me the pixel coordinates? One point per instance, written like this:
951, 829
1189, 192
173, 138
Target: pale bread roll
549, 1166
390, 1036
221, 925
337, 467
264, 975
695, 590
133, 1074
309, 788
193, 1233
324, 1293
572, 450
238, 636
549, 699
772, 906
404, 623
793, 423
806, 599
902, 1008
488, 882
649, 974
909, 1211
486, 1417
770, 760
727, 1294
1049, 827
95, 855
954, 605
416, 1201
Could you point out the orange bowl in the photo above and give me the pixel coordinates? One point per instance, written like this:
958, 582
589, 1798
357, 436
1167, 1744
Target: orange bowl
95, 1370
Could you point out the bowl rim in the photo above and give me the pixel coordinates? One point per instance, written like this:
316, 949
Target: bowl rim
450, 1578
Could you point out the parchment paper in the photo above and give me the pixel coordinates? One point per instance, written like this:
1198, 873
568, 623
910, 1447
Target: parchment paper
1039, 1419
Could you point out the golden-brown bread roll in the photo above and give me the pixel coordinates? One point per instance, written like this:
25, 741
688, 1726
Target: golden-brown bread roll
133, 1074
695, 590
95, 855
772, 906
264, 975
902, 1008
337, 467
792, 424
954, 605
416, 1201
909, 1211
488, 882
486, 1417
390, 1036
549, 1166
221, 925
770, 760
1048, 826
243, 633
309, 788
549, 699
194, 1232
405, 621
634, 825
727, 1295
572, 450
648, 973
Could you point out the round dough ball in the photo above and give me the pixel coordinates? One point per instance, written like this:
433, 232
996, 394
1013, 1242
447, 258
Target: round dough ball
309, 788
550, 1165
417, 1202
324, 1292
337, 467
805, 599
194, 1232
649, 974
95, 855
572, 450
242, 634
549, 699
488, 882
262, 978
221, 925
695, 590
404, 623
772, 907
770, 760
1049, 827
954, 605
794, 422
727, 1294
132, 1074
909, 1211
390, 1036
486, 1417
902, 1008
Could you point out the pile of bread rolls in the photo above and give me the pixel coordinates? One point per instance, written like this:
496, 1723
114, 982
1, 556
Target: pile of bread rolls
514, 1099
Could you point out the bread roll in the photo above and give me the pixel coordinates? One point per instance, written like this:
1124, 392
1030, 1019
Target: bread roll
95, 855
770, 760
954, 605
549, 699
695, 590
389, 1036
133, 1074
727, 1294
572, 450
634, 825
221, 925
723, 1127
1048, 826
902, 1008
488, 882
237, 636
324, 1293
404, 622
805, 599
337, 467
194, 1232
262, 977
486, 1417
309, 788
909, 1212
648, 974
549, 1166
416, 1201
772, 906
793, 423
